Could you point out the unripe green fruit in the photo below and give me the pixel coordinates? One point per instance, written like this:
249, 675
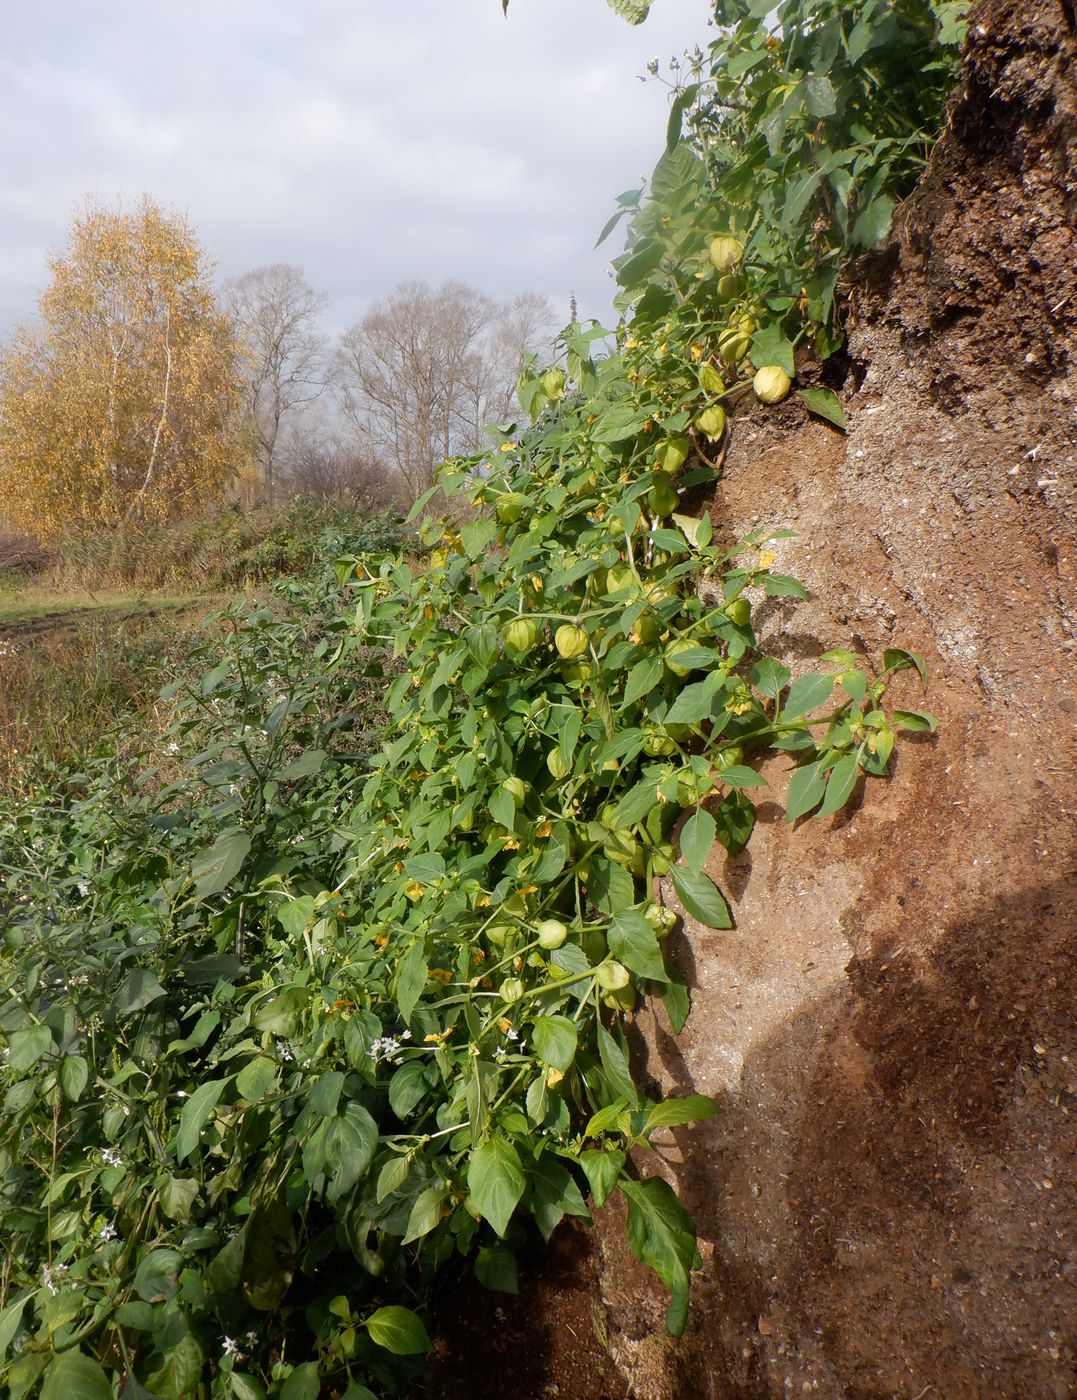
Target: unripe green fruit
662, 860
558, 765
571, 641
594, 945
619, 578
647, 627
657, 743
733, 345
501, 934
725, 252
674, 650
739, 611
512, 989
551, 933
730, 286
661, 919
521, 634
771, 384
580, 671
711, 422
726, 758
510, 507
516, 789
611, 976
596, 582
690, 788
553, 384
623, 999
675, 454
662, 497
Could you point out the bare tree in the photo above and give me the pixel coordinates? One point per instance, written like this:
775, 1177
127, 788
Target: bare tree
276, 312
321, 465
424, 371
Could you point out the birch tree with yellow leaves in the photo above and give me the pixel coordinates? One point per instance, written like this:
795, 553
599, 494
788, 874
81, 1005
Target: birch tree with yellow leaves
123, 401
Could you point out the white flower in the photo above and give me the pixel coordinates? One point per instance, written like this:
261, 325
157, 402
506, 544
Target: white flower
499, 1053
231, 1348
512, 1034
107, 1232
251, 1339
284, 1051
52, 1276
111, 1157
386, 1047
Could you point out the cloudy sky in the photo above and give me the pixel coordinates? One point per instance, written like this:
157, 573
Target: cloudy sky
366, 141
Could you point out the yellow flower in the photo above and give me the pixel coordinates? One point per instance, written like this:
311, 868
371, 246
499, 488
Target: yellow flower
767, 558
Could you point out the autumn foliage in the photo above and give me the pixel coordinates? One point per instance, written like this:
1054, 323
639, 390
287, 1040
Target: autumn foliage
122, 401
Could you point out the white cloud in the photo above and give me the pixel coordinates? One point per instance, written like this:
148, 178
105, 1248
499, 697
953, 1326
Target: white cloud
367, 141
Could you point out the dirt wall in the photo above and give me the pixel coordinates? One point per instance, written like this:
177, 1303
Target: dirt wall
886, 1202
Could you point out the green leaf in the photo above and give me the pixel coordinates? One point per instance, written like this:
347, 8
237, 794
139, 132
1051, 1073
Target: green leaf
407, 1087
281, 1015
616, 1068
661, 1235
175, 1373
255, 1079
642, 679
825, 403
697, 840
495, 1268
898, 659
735, 821
26, 1047
495, 1180
806, 788
915, 720
305, 766
634, 942
873, 224
137, 990
425, 1213
398, 1330
770, 677
270, 1255
392, 1176
678, 1003
197, 1111
157, 1276
218, 866
671, 1113
304, 1383
701, 898
350, 1144
325, 1096
784, 586
72, 1376
839, 785
770, 346
738, 775
602, 1170
177, 1195
411, 978
9, 1322
807, 693
74, 1076
554, 1039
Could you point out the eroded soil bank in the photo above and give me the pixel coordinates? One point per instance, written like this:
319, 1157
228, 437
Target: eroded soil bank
886, 1204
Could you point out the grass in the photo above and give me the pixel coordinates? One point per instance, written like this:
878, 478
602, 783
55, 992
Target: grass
72, 664
39, 601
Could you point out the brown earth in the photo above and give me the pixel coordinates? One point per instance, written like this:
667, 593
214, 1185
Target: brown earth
887, 1202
